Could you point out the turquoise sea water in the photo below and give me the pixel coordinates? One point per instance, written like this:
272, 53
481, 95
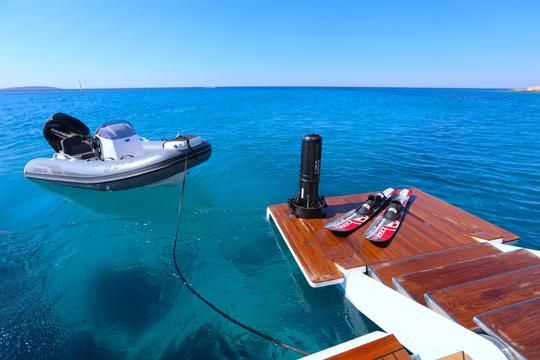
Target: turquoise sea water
88, 275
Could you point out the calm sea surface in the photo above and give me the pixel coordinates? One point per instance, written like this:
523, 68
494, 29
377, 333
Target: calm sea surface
88, 275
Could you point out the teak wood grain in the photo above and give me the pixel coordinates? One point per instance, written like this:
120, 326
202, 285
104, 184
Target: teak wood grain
387, 347
429, 225
387, 270
518, 326
415, 285
462, 303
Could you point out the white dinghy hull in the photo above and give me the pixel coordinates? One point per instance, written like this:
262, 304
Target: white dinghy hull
150, 168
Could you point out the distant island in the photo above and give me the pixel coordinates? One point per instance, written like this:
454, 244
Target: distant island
529, 89
31, 88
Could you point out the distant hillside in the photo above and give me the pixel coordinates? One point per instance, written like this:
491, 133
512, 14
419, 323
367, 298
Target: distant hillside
31, 88
530, 89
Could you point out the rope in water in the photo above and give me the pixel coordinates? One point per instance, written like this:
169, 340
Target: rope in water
196, 293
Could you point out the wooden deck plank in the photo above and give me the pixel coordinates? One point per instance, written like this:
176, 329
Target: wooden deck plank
518, 326
463, 302
429, 225
385, 271
377, 349
416, 284
459, 219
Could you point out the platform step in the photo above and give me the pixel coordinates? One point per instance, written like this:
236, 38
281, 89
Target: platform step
385, 271
462, 303
416, 284
517, 326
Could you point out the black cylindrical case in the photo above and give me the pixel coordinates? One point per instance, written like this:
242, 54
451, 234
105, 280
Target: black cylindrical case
308, 203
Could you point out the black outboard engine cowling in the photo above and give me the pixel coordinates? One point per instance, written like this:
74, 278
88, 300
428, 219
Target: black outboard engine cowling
61, 126
308, 203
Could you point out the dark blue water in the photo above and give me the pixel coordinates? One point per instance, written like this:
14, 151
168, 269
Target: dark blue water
88, 275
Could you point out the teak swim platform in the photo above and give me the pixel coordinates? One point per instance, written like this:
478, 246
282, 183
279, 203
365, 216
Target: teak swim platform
429, 225
447, 286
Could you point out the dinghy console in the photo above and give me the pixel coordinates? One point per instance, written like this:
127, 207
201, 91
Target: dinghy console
118, 141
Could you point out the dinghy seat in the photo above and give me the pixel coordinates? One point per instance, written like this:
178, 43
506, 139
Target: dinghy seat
76, 146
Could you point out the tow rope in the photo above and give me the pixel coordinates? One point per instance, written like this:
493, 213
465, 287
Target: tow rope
196, 293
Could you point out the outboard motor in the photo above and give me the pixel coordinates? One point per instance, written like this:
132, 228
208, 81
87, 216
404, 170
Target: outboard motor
308, 203
62, 126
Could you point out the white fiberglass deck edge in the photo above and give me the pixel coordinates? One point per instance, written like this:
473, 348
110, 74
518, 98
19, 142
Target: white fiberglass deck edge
346, 346
506, 248
418, 328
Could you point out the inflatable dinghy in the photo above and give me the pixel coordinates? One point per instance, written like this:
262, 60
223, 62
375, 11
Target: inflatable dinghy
115, 158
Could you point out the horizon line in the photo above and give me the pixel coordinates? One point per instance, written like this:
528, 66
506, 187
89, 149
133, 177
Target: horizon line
53, 88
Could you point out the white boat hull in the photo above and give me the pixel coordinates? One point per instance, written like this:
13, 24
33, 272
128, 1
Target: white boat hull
161, 161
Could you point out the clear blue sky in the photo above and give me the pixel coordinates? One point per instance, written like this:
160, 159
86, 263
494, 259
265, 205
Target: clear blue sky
471, 43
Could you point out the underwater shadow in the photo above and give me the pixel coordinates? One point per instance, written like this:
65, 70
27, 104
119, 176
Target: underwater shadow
150, 202
133, 298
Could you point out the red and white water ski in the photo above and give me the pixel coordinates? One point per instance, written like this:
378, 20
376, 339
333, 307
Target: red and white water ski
384, 227
356, 217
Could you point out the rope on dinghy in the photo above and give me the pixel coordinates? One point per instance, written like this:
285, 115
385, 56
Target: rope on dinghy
196, 293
